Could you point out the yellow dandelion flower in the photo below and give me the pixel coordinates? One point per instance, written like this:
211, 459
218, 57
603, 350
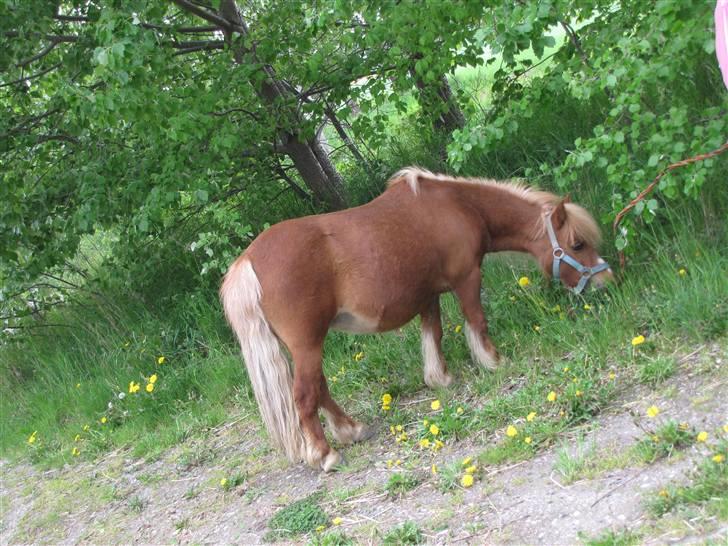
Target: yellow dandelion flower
386, 408
386, 399
149, 387
359, 356
587, 307
320, 528
390, 463
653, 411
75, 452
578, 393
467, 461
460, 411
523, 282
31, 438
402, 437
161, 360
391, 429
664, 493
566, 369
562, 413
425, 422
531, 416
85, 428
153, 378
639, 340
718, 458
551, 397
467, 480
435, 405
439, 444
399, 428
78, 385
458, 328
103, 420
434, 429
527, 439
77, 438
536, 327
398, 462
134, 387
471, 469
434, 469
725, 428
337, 521
511, 431
424, 443
702, 436
223, 482
612, 375
682, 272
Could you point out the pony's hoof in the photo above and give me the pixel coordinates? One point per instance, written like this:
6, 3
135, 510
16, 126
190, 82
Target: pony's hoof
438, 381
331, 461
363, 433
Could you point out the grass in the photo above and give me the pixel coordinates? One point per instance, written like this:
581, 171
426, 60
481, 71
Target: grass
707, 489
580, 351
399, 483
407, 533
614, 538
664, 441
300, 517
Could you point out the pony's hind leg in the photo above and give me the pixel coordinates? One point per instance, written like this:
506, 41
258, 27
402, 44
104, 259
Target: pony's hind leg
344, 429
435, 366
476, 326
307, 382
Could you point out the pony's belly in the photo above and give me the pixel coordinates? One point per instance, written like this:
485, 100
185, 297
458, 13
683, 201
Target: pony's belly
346, 321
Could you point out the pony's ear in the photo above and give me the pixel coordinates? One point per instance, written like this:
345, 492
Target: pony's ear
558, 216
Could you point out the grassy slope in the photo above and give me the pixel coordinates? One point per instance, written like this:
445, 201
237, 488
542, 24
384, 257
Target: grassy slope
59, 384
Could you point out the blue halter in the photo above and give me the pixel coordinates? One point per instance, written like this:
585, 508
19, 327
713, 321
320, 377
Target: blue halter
560, 255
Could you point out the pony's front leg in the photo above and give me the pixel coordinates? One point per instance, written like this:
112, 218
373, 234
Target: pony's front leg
435, 366
307, 380
476, 326
344, 429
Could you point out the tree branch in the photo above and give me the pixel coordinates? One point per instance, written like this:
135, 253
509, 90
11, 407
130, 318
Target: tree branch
213, 18
34, 76
54, 41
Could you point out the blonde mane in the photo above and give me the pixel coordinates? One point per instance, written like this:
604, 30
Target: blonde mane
579, 226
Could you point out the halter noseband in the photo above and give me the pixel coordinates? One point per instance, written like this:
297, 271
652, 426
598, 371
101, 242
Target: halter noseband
560, 254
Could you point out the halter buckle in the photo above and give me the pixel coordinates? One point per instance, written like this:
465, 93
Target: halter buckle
558, 252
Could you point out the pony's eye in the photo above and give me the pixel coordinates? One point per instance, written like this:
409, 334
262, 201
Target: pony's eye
577, 246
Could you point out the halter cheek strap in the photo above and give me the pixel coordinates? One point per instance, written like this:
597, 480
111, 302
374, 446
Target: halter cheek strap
560, 255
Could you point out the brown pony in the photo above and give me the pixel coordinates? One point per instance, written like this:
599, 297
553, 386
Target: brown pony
374, 268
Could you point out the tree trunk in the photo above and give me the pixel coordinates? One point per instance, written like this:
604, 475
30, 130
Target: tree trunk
438, 97
310, 160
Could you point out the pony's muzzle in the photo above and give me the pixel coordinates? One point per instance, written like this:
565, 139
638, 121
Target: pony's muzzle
602, 279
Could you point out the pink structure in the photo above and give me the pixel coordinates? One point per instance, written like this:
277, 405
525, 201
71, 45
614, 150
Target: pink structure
721, 37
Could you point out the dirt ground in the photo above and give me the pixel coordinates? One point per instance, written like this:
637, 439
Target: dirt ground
178, 497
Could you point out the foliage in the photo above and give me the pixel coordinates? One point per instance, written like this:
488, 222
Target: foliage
643, 79
400, 483
407, 533
709, 484
299, 517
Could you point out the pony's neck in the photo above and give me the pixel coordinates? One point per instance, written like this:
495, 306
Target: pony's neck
509, 219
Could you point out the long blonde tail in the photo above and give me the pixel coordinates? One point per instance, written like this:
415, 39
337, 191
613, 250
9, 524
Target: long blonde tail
268, 367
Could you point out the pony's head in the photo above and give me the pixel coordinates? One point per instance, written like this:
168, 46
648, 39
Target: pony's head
566, 245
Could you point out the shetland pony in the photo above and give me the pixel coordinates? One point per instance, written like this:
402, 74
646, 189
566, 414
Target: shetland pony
375, 267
